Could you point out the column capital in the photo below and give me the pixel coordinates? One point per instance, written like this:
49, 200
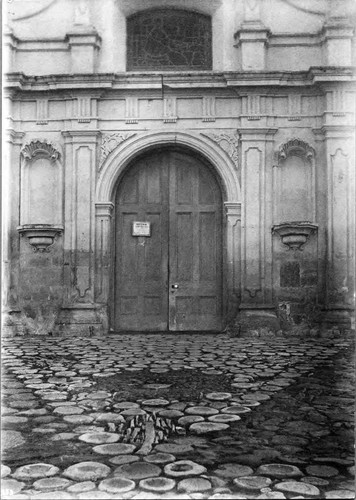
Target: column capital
257, 134
104, 209
81, 136
14, 137
233, 208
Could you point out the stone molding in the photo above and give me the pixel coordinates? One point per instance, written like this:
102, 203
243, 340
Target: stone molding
229, 142
118, 160
41, 148
294, 235
296, 147
111, 141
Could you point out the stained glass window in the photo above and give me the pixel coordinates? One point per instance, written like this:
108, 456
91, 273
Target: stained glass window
168, 39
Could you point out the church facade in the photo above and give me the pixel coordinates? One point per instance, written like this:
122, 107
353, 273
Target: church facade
178, 165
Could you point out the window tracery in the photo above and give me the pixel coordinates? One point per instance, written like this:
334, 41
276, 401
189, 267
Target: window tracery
169, 39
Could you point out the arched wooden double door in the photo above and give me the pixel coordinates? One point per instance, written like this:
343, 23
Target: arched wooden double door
170, 279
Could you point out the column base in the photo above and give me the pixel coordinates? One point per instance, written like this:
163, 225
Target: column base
84, 320
254, 318
338, 317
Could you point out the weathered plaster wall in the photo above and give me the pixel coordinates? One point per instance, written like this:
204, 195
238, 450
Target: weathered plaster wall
280, 140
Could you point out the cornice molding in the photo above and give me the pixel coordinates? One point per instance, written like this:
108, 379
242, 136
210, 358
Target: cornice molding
185, 80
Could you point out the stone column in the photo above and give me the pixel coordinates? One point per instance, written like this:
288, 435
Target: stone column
11, 238
103, 231
340, 276
79, 234
257, 307
252, 38
233, 252
337, 37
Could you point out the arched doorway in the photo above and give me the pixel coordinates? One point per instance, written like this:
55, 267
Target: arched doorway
168, 245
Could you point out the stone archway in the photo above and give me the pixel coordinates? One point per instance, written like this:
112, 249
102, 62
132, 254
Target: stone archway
113, 167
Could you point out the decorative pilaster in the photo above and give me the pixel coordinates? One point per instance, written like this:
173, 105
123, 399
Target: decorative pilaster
103, 216
256, 252
340, 157
11, 203
81, 153
84, 44
337, 36
233, 230
252, 38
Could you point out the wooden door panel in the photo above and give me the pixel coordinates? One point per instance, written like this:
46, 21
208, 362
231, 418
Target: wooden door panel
141, 301
194, 246
181, 199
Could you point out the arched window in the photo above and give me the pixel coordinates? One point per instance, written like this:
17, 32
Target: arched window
169, 40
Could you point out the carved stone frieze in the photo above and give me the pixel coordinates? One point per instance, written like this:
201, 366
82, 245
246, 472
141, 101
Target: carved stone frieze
40, 147
295, 147
229, 142
110, 141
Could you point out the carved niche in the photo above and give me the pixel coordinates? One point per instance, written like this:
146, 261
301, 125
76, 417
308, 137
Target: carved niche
109, 142
294, 182
41, 194
229, 142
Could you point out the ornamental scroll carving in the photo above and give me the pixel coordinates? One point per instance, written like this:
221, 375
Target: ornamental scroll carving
41, 148
295, 147
229, 142
110, 142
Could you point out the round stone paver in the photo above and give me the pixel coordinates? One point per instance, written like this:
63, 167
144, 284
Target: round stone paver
316, 481
296, 488
155, 402
114, 449
68, 410
87, 471
117, 485
184, 468
52, 483
158, 484
11, 439
279, 470
110, 417
201, 410
99, 437
191, 419
99, 395
322, 470
78, 419
35, 471
232, 470
218, 396
11, 486
206, 427
338, 494
252, 483
84, 486
138, 470
224, 418
194, 484
5, 470
235, 410
159, 458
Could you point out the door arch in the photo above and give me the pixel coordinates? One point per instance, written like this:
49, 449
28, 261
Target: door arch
171, 279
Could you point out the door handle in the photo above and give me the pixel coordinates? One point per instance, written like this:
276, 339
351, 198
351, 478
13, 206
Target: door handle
175, 286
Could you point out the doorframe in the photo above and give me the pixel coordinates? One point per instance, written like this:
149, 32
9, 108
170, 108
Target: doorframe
112, 171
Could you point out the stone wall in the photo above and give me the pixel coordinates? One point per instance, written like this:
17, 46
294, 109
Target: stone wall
277, 128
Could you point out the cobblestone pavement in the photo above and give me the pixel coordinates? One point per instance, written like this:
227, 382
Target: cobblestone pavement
177, 416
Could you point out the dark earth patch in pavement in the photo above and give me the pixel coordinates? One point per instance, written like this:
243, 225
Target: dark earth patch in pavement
185, 385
